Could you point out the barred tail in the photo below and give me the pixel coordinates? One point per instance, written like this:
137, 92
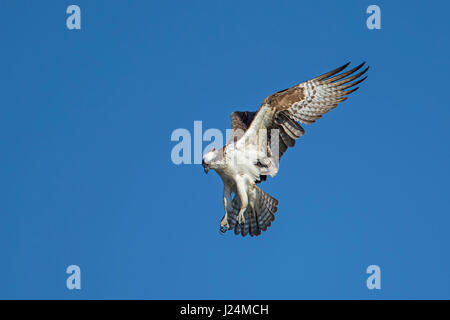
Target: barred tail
257, 219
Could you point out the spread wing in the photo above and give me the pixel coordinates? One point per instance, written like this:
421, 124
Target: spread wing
304, 103
240, 121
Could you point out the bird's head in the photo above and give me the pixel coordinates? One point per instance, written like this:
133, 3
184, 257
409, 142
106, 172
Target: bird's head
211, 159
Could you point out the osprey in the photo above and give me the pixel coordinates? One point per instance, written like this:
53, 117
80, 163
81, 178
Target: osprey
259, 139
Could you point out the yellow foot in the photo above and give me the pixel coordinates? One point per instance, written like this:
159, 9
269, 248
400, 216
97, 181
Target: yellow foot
224, 226
241, 219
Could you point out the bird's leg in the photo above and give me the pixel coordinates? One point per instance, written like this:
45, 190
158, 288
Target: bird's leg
242, 193
224, 226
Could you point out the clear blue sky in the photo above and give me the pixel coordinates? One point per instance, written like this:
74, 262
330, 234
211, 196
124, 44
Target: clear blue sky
86, 176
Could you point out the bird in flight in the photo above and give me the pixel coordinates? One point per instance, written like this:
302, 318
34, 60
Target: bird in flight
259, 139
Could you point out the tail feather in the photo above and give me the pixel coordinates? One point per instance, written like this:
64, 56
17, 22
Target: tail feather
246, 227
258, 218
232, 219
265, 214
254, 226
262, 221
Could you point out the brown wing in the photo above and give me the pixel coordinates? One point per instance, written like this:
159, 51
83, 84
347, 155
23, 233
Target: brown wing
242, 119
309, 100
304, 103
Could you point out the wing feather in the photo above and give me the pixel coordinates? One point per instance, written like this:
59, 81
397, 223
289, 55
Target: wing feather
303, 103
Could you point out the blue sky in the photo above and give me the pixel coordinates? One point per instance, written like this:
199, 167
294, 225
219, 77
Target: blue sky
86, 176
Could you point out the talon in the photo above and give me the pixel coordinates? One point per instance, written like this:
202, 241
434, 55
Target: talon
223, 229
224, 224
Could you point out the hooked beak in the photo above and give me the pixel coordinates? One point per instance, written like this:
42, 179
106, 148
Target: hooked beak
205, 167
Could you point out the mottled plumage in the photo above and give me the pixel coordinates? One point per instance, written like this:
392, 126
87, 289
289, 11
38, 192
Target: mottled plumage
259, 139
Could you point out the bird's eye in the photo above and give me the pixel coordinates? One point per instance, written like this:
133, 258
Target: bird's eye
213, 149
